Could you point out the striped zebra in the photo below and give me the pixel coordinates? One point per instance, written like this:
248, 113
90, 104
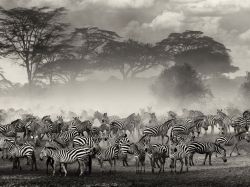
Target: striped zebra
226, 120
184, 127
138, 150
54, 145
233, 140
157, 152
80, 126
213, 120
159, 130
86, 141
67, 156
8, 130
65, 138
124, 148
20, 151
19, 126
241, 124
199, 124
207, 148
179, 152
125, 124
139, 155
110, 153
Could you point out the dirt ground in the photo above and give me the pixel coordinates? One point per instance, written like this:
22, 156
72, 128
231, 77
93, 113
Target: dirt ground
235, 172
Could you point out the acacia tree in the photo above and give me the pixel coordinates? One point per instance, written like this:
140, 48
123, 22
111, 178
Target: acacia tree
26, 33
130, 57
77, 56
206, 55
181, 84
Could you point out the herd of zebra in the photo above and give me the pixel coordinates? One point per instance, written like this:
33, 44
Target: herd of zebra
64, 142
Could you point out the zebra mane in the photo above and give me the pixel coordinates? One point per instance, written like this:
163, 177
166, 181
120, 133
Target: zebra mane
49, 147
15, 121
59, 143
240, 133
168, 122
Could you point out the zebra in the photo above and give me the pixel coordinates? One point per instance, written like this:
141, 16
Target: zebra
233, 140
65, 138
139, 156
65, 156
200, 123
8, 130
159, 130
138, 150
110, 153
20, 151
206, 148
226, 120
81, 126
184, 128
214, 120
157, 152
124, 147
124, 124
241, 124
180, 152
19, 126
85, 141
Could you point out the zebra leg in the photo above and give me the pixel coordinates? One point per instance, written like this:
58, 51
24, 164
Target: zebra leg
114, 165
235, 145
181, 160
175, 161
152, 164
111, 165
237, 150
48, 161
210, 155
64, 169
204, 163
54, 168
90, 164
186, 163
34, 161
28, 161
81, 166
157, 163
136, 165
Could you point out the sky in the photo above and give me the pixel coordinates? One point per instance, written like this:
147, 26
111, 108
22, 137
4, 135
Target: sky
227, 21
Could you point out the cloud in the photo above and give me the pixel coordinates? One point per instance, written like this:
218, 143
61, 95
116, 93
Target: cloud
167, 20
245, 36
125, 3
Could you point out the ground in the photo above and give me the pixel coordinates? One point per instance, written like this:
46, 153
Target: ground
233, 173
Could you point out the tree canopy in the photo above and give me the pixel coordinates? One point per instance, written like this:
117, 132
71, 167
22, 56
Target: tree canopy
28, 33
180, 83
206, 55
78, 54
130, 57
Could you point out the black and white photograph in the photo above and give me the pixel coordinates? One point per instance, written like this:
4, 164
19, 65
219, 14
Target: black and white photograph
124, 93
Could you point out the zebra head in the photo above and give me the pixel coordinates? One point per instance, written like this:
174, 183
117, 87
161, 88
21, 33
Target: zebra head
247, 137
46, 151
221, 151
